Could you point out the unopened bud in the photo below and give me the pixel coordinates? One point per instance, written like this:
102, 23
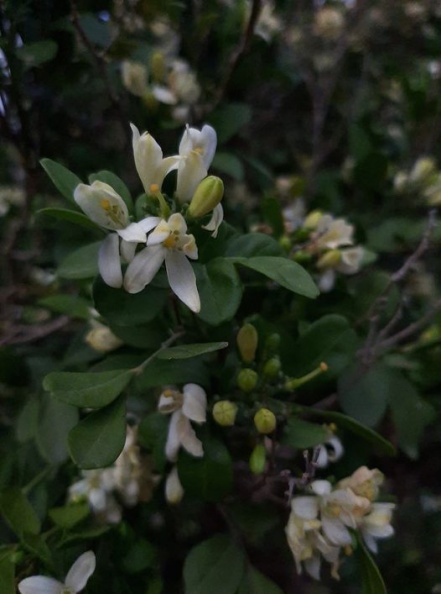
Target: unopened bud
247, 380
312, 220
102, 339
157, 66
258, 459
330, 259
285, 243
272, 367
302, 257
174, 491
207, 196
272, 342
247, 340
224, 413
265, 421
423, 169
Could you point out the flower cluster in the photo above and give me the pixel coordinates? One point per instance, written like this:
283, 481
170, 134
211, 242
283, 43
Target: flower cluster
165, 236
423, 179
320, 525
107, 488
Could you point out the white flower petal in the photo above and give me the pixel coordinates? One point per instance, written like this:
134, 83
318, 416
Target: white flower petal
127, 249
336, 531
188, 438
102, 205
134, 232
321, 487
191, 171
109, 263
148, 157
370, 541
149, 223
214, 223
210, 141
143, 268
305, 508
194, 406
81, 571
173, 438
335, 449
312, 566
39, 584
164, 95
182, 279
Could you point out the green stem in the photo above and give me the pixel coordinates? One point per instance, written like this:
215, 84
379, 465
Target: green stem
140, 368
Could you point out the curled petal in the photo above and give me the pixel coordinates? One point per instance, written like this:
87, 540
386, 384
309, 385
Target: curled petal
109, 263
134, 232
143, 268
39, 584
188, 438
195, 403
182, 279
216, 219
81, 571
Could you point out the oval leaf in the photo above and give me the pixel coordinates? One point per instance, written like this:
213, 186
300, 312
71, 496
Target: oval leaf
186, 351
372, 581
301, 434
71, 216
91, 390
82, 263
18, 512
220, 291
97, 440
64, 180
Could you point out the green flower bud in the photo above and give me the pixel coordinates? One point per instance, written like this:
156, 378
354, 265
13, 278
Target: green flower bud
207, 196
312, 219
224, 413
247, 380
272, 342
258, 459
247, 340
272, 367
265, 421
301, 257
285, 243
330, 259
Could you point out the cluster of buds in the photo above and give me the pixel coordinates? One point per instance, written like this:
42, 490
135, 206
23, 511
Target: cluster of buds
162, 232
424, 179
320, 524
323, 241
123, 484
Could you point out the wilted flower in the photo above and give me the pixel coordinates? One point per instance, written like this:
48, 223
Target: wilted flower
168, 242
190, 405
75, 580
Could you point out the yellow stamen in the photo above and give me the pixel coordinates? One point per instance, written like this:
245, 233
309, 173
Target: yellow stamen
105, 204
170, 242
154, 188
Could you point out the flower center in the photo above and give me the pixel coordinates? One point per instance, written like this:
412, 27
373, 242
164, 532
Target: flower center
114, 212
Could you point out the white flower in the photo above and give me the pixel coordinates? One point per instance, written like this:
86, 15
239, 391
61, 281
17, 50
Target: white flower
350, 261
150, 165
135, 77
127, 470
174, 491
196, 151
96, 487
330, 451
75, 581
168, 242
333, 233
107, 209
363, 482
377, 524
191, 405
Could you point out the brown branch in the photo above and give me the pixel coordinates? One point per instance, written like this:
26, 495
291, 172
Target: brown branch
25, 334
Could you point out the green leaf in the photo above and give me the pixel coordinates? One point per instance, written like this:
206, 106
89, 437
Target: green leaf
116, 183
255, 582
7, 575
251, 245
71, 305
152, 435
371, 579
142, 336
229, 164
285, 272
97, 440
209, 478
272, 214
229, 119
215, 566
124, 309
363, 394
64, 180
220, 291
140, 556
71, 216
301, 434
82, 263
68, 516
37, 546
18, 512
330, 339
37, 53
382, 445
56, 419
28, 420
87, 390
163, 372
187, 351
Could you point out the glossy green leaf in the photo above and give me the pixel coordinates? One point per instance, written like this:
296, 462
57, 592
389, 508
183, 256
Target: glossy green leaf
116, 183
187, 351
56, 419
255, 582
87, 390
209, 478
229, 164
220, 291
37, 53
215, 566
71, 216
28, 420
98, 439
82, 263
382, 445
371, 579
68, 516
71, 305
18, 512
161, 372
64, 180
126, 309
7, 575
285, 272
330, 339
301, 434
253, 245
152, 435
